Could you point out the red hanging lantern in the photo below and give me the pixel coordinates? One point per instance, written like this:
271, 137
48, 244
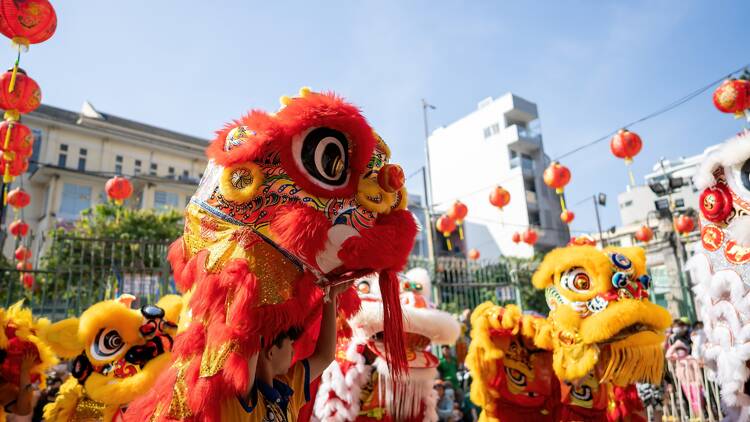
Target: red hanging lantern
556, 176
530, 236
18, 198
118, 189
499, 197
567, 216
474, 254
391, 178
446, 226
24, 98
18, 228
626, 145
516, 237
23, 253
27, 21
458, 212
20, 140
13, 168
716, 203
684, 224
732, 96
644, 234
27, 280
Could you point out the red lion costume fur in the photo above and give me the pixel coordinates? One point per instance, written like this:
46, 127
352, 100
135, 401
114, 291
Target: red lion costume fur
291, 201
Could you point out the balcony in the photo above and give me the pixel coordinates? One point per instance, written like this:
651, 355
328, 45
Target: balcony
522, 139
531, 199
526, 165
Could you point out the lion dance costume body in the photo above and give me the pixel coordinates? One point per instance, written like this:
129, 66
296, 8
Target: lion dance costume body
290, 202
358, 386
721, 272
21, 333
117, 353
601, 336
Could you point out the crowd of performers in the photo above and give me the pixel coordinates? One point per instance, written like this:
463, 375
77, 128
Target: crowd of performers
292, 306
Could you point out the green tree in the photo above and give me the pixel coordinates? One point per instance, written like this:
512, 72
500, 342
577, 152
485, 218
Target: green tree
532, 299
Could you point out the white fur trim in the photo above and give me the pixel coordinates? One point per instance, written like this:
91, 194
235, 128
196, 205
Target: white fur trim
344, 406
439, 326
733, 151
724, 305
739, 229
405, 400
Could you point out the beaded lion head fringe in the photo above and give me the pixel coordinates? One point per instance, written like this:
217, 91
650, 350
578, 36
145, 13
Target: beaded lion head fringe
636, 358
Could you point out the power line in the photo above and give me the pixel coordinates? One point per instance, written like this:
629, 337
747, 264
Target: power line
656, 113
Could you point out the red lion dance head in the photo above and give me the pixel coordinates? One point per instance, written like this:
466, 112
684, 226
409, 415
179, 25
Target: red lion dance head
291, 202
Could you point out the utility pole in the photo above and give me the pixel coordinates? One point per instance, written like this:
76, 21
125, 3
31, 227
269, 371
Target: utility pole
427, 179
598, 221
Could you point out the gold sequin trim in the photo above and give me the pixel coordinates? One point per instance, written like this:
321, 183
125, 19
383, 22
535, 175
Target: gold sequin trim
213, 360
178, 408
88, 409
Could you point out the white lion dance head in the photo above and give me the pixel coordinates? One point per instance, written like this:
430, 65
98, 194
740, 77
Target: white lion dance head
721, 273
358, 384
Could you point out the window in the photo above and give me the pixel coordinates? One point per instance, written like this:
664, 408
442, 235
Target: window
495, 128
82, 159
170, 172
62, 157
487, 133
137, 169
534, 218
627, 203
118, 164
164, 200
185, 174
37, 145
529, 185
75, 198
491, 130
153, 169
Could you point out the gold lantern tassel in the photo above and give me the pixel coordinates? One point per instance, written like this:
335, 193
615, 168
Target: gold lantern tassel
6, 142
562, 199
448, 241
12, 83
461, 230
629, 162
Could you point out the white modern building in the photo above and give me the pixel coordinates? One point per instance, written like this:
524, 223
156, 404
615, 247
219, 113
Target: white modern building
75, 153
500, 143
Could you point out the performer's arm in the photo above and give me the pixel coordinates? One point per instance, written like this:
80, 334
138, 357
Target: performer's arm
325, 349
22, 406
252, 366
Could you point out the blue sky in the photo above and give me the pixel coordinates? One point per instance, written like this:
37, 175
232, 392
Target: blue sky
589, 65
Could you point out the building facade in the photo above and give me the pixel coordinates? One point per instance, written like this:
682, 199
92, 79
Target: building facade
76, 152
500, 143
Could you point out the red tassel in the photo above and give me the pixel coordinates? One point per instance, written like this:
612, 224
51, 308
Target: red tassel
393, 324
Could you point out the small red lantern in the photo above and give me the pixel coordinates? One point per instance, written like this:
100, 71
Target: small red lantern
644, 234
27, 21
716, 203
684, 224
732, 96
20, 141
118, 189
626, 145
530, 236
13, 168
391, 178
18, 228
499, 197
24, 98
18, 198
23, 253
567, 216
446, 226
458, 212
556, 176
516, 237
27, 280
474, 254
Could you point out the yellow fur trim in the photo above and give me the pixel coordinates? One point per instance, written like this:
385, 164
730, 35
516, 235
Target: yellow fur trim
3, 323
638, 358
62, 337
102, 389
622, 314
110, 315
30, 329
240, 183
596, 264
64, 407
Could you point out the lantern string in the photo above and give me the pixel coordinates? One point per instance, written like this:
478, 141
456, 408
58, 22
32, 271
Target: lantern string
630, 173
12, 83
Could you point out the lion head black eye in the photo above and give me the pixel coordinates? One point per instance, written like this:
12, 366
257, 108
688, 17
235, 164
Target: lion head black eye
325, 157
106, 344
745, 174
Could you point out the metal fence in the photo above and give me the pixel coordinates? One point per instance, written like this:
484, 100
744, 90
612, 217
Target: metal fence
75, 273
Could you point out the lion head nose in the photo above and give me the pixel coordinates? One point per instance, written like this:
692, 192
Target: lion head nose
391, 178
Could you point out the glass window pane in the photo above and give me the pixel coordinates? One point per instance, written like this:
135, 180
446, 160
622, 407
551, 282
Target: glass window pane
75, 198
163, 200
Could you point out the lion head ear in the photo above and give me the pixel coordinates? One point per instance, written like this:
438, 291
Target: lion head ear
172, 305
545, 274
62, 337
635, 254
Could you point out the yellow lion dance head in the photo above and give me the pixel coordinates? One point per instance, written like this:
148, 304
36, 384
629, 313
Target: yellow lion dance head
117, 354
602, 320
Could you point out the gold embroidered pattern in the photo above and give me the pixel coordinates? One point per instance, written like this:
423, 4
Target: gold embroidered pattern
88, 409
178, 408
213, 359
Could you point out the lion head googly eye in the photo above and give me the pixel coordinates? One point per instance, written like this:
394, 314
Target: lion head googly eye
576, 280
322, 155
107, 345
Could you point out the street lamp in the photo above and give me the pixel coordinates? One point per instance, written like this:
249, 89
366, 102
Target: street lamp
599, 199
427, 179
